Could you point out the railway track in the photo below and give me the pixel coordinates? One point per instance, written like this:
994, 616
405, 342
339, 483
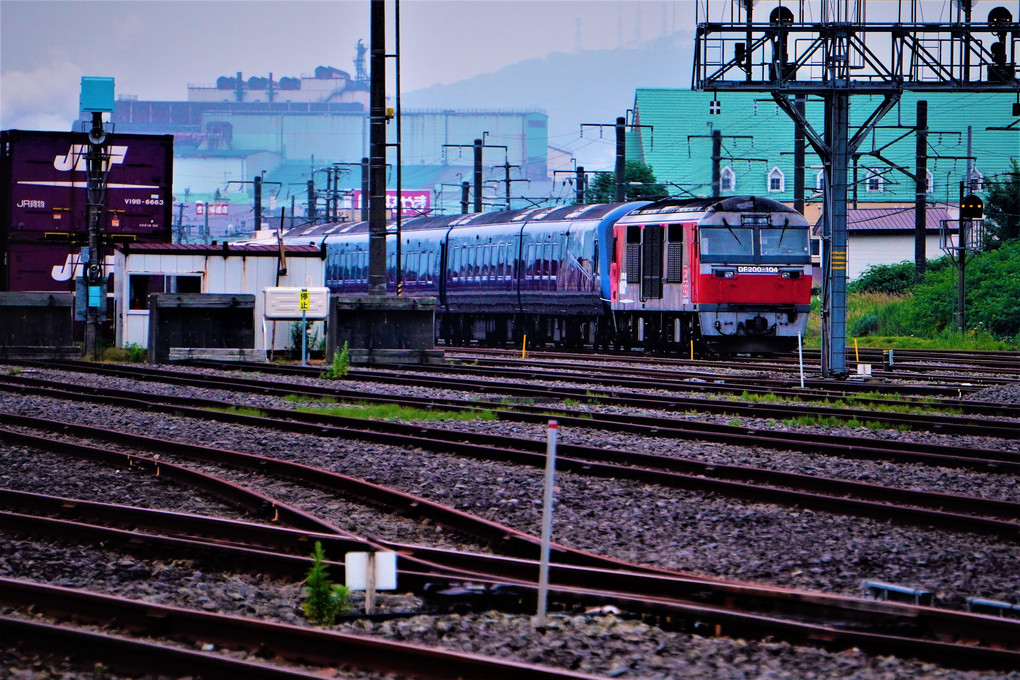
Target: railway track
731, 619
310, 652
870, 409
730, 608
917, 365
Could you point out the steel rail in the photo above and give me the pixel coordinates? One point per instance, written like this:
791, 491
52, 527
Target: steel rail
826, 494
939, 424
660, 595
911, 360
956, 638
985, 460
297, 644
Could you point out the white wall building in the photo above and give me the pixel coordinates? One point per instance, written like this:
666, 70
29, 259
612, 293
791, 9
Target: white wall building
140, 270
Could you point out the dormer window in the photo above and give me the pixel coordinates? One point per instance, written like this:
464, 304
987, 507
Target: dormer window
777, 180
727, 180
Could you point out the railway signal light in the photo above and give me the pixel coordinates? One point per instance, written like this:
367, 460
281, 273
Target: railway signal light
972, 208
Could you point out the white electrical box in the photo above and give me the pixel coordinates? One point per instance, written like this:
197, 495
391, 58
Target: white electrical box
292, 303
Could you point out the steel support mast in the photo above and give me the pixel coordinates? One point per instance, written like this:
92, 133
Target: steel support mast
377, 152
835, 57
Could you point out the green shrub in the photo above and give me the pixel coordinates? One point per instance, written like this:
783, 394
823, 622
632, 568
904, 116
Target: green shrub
130, 353
316, 341
866, 325
341, 363
324, 600
884, 278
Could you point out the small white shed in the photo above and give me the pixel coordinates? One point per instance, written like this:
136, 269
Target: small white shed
141, 269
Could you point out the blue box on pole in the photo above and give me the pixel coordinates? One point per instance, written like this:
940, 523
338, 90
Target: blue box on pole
96, 94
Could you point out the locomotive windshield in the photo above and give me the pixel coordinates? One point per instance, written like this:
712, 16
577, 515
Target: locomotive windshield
788, 243
727, 244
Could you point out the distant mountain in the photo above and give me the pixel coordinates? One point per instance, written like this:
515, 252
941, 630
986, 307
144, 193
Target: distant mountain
593, 86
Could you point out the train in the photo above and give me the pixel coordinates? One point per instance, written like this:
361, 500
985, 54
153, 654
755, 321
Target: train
722, 275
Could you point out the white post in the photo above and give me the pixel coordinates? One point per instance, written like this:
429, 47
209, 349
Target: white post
543, 570
800, 353
370, 584
304, 337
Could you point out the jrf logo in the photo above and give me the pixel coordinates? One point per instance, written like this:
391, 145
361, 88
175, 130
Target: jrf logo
74, 159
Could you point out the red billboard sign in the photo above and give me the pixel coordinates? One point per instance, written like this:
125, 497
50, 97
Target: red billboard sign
214, 208
414, 202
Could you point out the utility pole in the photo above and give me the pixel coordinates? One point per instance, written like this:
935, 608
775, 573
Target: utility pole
478, 174
477, 147
621, 159
507, 182
180, 221
798, 157
920, 190
579, 180
256, 183
717, 136
620, 170
365, 172
258, 202
311, 210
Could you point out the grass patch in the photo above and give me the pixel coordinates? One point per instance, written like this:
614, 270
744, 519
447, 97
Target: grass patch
368, 411
240, 410
833, 421
876, 312
906, 407
313, 401
516, 401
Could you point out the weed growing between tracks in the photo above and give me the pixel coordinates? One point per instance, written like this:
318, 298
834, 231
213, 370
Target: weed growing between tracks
859, 401
324, 600
241, 410
833, 421
341, 365
384, 411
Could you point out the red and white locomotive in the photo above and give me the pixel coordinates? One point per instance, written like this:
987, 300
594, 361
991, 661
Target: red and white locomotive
731, 274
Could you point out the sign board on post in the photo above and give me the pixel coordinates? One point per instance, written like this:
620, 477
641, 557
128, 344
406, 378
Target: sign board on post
293, 303
371, 572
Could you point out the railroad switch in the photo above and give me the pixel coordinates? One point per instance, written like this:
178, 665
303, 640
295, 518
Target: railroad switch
461, 599
994, 607
895, 593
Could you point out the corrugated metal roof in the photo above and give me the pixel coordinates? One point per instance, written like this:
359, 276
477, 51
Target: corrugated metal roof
890, 219
220, 249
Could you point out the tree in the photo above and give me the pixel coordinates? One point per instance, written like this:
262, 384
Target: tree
640, 180
1002, 206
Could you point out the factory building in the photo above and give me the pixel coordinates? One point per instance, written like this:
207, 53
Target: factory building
292, 130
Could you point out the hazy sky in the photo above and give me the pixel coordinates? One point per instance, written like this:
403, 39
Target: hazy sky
155, 48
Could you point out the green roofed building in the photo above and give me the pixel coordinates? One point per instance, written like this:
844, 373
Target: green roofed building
675, 139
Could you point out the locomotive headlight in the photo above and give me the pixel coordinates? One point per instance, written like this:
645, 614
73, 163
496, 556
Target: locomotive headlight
724, 273
792, 274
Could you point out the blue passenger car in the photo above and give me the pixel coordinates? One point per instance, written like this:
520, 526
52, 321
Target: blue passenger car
497, 276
